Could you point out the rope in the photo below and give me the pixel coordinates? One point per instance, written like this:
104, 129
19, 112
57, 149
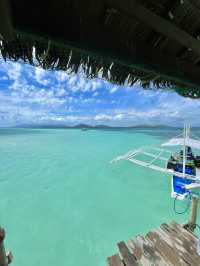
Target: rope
187, 207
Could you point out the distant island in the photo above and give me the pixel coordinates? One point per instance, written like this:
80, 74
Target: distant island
88, 127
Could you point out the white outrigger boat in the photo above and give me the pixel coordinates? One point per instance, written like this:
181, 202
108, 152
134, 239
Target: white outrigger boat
183, 166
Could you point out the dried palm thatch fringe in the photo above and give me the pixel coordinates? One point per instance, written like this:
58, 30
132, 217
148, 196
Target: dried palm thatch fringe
52, 55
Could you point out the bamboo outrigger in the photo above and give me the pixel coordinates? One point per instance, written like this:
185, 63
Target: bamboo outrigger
184, 167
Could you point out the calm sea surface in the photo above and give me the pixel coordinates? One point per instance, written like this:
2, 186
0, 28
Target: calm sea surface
63, 203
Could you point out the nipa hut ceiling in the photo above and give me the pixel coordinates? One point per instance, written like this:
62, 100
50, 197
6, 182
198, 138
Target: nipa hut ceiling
147, 41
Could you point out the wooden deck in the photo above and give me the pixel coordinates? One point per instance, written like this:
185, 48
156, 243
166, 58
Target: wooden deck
170, 245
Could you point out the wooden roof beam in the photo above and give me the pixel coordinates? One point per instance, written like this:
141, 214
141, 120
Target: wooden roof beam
157, 23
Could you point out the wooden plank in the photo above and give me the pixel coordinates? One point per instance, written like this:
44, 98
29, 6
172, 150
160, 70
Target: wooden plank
114, 260
183, 247
145, 252
168, 245
189, 242
169, 255
159, 24
185, 232
128, 258
177, 232
175, 254
137, 250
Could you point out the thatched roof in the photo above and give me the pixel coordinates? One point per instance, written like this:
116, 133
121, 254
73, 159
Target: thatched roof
150, 41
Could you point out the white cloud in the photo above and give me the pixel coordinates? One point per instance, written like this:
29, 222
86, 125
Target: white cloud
61, 76
72, 80
32, 95
107, 117
41, 76
95, 94
14, 71
39, 96
78, 83
61, 92
4, 78
114, 89
64, 119
103, 117
13, 114
95, 84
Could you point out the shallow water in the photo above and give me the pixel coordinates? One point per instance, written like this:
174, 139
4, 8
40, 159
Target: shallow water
63, 203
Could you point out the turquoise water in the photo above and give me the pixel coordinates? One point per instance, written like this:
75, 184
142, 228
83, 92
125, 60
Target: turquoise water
63, 203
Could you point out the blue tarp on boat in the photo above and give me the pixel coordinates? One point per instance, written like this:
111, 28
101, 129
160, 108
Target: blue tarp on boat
179, 183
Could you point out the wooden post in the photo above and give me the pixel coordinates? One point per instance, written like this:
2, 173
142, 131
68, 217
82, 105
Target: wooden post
191, 225
5, 259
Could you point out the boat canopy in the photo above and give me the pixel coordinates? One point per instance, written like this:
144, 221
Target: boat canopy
193, 143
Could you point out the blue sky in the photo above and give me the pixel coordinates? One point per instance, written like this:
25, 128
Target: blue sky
30, 95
